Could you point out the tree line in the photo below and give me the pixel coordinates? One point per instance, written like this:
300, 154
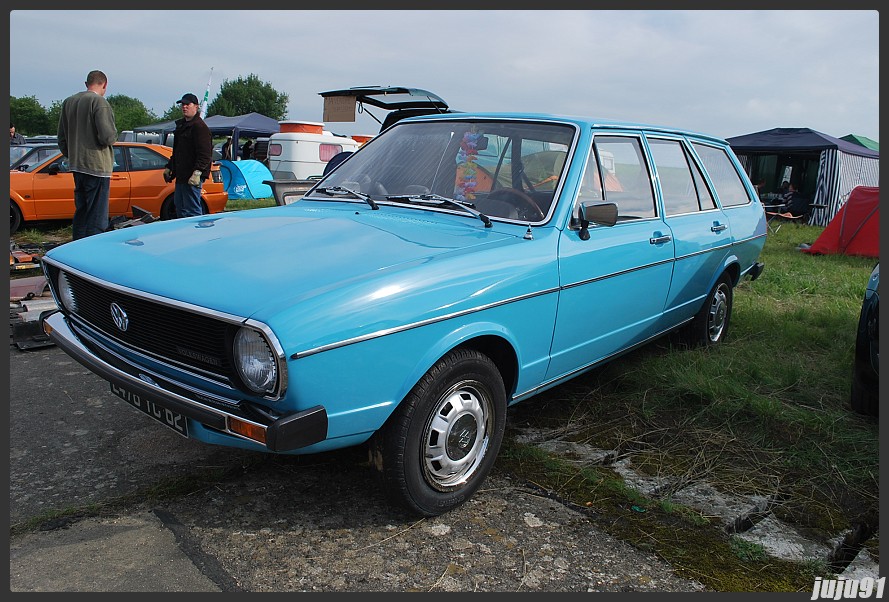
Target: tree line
236, 97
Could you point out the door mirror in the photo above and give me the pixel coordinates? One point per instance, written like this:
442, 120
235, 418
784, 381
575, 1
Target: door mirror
601, 214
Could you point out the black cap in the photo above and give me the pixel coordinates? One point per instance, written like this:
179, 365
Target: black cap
188, 98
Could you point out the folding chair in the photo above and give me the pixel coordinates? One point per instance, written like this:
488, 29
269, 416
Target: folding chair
775, 219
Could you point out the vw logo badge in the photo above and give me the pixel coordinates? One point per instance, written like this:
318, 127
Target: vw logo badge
120, 317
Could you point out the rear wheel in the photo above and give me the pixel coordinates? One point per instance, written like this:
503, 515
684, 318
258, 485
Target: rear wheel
440, 444
15, 218
710, 325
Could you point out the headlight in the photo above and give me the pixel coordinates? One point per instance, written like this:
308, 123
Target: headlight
255, 361
66, 295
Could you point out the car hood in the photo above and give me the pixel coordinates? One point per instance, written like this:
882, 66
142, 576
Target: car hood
325, 271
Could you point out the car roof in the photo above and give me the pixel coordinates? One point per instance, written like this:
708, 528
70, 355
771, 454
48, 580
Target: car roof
581, 121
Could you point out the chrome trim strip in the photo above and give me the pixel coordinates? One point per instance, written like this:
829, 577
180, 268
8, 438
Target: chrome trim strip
411, 326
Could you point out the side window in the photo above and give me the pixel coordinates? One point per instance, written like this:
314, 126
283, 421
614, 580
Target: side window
726, 180
61, 163
627, 182
677, 184
145, 159
120, 163
591, 183
682, 185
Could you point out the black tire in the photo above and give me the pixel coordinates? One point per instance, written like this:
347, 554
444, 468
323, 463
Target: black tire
168, 209
440, 444
15, 218
864, 399
710, 325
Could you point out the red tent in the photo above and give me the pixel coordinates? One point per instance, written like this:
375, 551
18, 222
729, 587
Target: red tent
855, 229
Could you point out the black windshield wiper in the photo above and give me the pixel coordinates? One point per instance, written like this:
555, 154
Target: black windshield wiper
333, 190
435, 199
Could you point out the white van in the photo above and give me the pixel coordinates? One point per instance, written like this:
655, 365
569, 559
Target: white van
302, 148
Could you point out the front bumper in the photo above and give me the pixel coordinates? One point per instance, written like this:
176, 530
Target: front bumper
278, 434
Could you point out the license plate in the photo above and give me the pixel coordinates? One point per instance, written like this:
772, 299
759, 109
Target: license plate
174, 420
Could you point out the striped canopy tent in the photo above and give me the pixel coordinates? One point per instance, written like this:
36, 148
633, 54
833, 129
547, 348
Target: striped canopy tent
824, 168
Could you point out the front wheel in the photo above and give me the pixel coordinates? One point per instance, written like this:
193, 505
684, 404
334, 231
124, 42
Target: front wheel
440, 444
710, 325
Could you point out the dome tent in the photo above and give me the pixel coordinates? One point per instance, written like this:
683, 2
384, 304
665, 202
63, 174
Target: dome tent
244, 179
855, 229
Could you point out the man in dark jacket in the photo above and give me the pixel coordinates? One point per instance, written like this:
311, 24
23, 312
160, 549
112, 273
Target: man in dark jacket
192, 156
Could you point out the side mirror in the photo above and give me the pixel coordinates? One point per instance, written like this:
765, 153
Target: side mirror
601, 214
54, 169
482, 143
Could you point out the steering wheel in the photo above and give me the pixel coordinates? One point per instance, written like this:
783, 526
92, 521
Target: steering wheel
522, 197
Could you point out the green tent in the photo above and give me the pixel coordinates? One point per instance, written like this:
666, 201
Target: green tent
862, 141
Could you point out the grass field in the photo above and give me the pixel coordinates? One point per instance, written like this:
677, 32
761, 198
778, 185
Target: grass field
765, 413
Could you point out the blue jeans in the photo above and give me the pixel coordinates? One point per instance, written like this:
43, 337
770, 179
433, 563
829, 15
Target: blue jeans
90, 205
187, 199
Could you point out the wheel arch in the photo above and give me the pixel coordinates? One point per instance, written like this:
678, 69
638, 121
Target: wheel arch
489, 339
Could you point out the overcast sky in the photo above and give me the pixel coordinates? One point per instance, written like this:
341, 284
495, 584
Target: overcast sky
724, 73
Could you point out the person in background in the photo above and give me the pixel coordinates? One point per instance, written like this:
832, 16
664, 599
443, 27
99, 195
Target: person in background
192, 155
86, 135
247, 150
226, 149
760, 187
14, 136
794, 202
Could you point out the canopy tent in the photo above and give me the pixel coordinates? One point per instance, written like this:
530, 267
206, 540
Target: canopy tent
164, 128
861, 140
855, 229
825, 168
244, 179
250, 125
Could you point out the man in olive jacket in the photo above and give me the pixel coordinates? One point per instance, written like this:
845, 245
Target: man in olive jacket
192, 156
86, 134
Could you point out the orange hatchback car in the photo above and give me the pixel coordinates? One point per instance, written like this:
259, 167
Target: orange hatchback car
45, 190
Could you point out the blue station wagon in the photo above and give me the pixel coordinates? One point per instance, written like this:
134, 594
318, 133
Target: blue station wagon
454, 265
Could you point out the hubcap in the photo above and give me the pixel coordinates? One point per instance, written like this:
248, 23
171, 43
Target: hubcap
456, 437
718, 312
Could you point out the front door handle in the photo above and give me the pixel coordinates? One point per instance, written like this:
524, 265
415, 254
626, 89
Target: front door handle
718, 227
659, 240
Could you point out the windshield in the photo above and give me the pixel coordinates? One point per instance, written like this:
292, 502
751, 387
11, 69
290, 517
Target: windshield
508, 170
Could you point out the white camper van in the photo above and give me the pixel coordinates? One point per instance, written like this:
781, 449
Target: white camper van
302, 148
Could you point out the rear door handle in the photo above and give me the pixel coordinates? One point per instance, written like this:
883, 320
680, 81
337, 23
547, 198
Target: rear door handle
718, 227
